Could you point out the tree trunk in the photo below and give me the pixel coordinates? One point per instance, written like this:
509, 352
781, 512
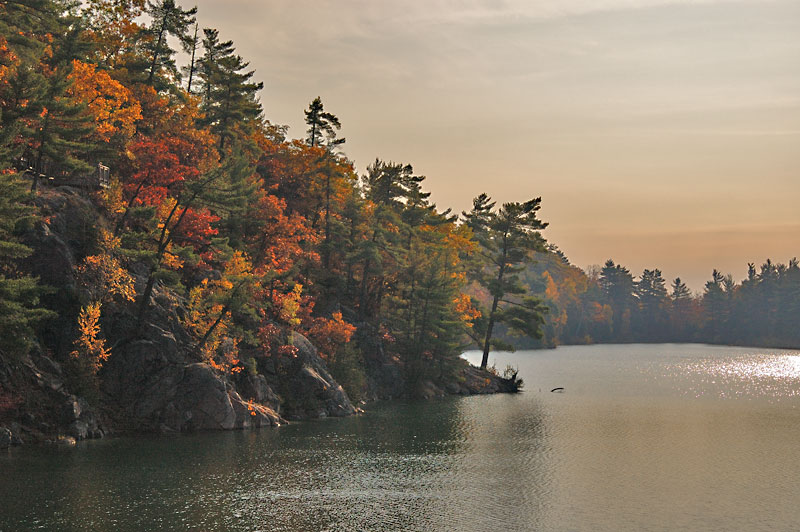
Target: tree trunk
489, 327
191, 64
495, 301
157, 51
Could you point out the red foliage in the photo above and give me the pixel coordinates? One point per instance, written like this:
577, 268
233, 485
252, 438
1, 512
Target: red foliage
281, 240
160, 168
329, 335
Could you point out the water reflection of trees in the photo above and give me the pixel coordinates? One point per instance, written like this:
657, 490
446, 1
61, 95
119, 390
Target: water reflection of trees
457, 463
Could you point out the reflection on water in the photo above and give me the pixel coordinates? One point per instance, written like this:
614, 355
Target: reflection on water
645, 438
773, 375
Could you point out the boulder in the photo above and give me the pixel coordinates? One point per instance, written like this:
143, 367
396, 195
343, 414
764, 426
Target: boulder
480, 381
6, 437
255, 387
71, 410
79, 430
311, 390
157, 389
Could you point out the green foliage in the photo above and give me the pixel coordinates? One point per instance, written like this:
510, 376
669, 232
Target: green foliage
229, 97
507, 237
168, 19
348, 370
322, 126
19, 294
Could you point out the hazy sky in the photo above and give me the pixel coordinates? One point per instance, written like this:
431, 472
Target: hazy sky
658, 133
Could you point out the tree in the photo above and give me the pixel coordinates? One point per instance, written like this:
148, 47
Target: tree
651, 291
118, 37
714, 303
229, 97
428, 315
213, 50
111, 104
168, 19
387, 187
24, 26
506, 237
322, 126
322, 123
617, 284
192, 67
20, 310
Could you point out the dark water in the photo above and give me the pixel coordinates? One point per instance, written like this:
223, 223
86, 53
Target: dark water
658, 437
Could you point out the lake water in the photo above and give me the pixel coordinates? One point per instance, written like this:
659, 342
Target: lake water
644, 437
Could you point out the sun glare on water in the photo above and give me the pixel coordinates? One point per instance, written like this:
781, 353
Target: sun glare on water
774, 376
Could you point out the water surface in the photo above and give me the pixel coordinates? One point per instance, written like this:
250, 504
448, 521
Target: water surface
645, 437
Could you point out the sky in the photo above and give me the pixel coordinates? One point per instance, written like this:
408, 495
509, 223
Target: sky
660, 134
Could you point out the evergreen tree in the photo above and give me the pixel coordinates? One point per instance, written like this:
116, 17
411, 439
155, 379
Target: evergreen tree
24, 26
322, 126
19, 293
168, 19
321, 122
229, 97
191, 68
715, 307
617, 284
681, 306
507, 237
60, 142
207, 72
651, 291
387, 186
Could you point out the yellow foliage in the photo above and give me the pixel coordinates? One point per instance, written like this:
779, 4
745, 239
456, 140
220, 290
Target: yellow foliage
111, 197
204, 311
112, 105
171, 260
290, 305
465, 310
104, 275
551, 290
238, 265
88, 348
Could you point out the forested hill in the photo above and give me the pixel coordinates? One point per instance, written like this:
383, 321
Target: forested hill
163, 245
609, 304
171, 260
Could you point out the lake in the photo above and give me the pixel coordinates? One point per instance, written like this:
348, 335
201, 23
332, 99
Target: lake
644, 437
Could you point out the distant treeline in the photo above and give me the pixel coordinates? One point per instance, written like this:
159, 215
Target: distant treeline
610, 304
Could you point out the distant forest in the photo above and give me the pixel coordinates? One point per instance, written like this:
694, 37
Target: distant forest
610, 305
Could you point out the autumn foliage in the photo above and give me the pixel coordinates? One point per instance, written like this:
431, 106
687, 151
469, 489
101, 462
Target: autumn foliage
254, 237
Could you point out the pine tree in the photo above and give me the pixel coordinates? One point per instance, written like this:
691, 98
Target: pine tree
387, 186
507, 238
651, 291
191, 68
169, 19
714, 302
322, 126
617, 284
322, 123
60, 142
229, 97
19, 293
207, 69
24, 26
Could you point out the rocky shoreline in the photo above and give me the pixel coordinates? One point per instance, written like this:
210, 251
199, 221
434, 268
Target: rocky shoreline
162, 396
154, 381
